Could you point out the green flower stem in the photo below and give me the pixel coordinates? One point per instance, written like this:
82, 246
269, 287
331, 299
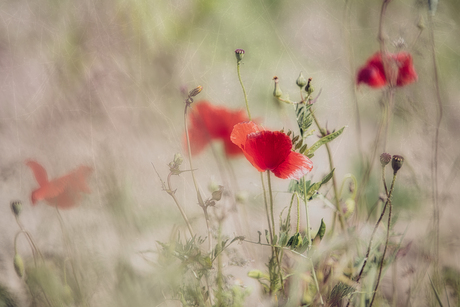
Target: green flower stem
334, 181
244, 90
182, 212
372, 236
307, 216
297, 229
198, 194
316, 282
266, 209
386, 242
34, 248
271, 200
219, 268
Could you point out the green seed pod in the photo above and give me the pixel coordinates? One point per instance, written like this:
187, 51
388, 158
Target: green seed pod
18, 265
299, 144
301, 81
295, 139
303, 148
239, 53
16, 207
277, 91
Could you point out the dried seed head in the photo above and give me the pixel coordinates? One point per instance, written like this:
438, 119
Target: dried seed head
16, 207
195, 91
301, 81
397, 162
239, 53
217, 195
385, 158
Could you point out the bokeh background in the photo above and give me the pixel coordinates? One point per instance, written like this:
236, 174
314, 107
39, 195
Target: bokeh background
101, 83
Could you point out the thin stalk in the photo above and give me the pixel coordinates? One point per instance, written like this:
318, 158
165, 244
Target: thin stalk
244, 90
219, 269
266, 209
34, 248
182, 212
316, 282
307, 217
372, 236
334, 180
436, 209
386, 243
297, 229
200, 199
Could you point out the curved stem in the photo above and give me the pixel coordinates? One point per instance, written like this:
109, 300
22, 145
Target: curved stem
244, 90
182, 212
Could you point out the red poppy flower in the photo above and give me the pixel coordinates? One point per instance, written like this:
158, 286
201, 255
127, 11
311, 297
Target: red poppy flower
208, 122
400, 66
270, 150
63, 192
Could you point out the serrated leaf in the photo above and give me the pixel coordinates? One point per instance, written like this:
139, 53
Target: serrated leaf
324, 140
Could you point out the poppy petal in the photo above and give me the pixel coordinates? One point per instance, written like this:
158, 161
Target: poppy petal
240, 132
406, 73
295, 167
268, 148
39, 172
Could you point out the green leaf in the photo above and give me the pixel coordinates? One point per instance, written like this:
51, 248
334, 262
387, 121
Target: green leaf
321, 230
324, 140
328, 177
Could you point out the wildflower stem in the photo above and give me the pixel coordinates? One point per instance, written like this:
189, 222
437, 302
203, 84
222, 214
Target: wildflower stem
244, 90
182, 212
334, 180
297, 229
307, 216
358, 278
386, 242
266, 209
34, 248
271, 200
316, 282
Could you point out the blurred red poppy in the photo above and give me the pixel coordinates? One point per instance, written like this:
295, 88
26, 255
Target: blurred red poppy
63, 192
270, 150
208, 122
400, 67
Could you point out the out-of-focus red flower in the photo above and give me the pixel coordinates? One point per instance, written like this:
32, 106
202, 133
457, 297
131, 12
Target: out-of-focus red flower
208, 122
400, 66
63, 192
270, 150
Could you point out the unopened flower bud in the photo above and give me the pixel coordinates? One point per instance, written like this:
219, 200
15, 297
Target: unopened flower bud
301, 81
195, 91
16, 207
217, 195
277, 91
178, 159
18, 265
396, 163
308, 88
385, 158
239, 53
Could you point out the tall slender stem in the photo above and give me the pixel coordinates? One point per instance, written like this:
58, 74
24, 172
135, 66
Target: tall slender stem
271, 200
266, 209
244, 90
307, 216
334, 180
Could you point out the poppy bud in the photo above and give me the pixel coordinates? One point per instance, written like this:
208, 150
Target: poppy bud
195, 91
308, 88
239, 53
18, 265
301, 81
178, 159
397, 162
385, 158
277, 91
217, 195
16, 207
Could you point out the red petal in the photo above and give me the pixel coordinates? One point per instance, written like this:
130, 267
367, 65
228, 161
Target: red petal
372, 73
268, 148
39, 172
241, 131
295, 167
406, 74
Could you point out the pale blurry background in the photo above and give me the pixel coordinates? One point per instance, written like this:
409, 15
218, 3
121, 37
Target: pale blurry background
99, 83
